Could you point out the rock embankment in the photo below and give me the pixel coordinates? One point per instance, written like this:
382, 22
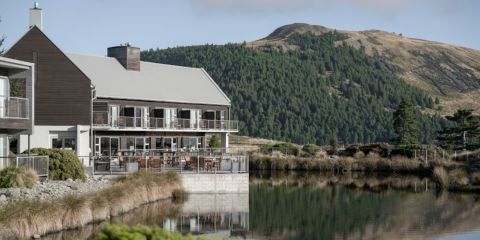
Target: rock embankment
50, 190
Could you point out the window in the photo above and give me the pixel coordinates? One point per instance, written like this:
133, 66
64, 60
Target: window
128, 111
210, 115
138, 143
170, 143
158, 112
140, 116
131, 143
159, 143
64, 143
106, 146
191, 142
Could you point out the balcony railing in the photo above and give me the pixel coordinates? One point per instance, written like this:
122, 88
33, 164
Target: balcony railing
103, 119
14, 107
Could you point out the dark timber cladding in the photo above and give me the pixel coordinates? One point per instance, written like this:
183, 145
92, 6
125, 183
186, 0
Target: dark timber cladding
62, 91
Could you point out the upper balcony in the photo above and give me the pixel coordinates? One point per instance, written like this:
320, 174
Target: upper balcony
14, 108
103, 120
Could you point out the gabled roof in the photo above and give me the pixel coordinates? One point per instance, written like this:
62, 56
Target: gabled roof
154, 82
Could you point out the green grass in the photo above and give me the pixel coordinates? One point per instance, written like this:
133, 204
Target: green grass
125, 232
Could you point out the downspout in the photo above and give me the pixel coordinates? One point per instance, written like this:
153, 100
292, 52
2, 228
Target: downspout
92, 138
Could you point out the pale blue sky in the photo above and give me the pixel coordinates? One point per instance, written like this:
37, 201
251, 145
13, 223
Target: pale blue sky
90, 26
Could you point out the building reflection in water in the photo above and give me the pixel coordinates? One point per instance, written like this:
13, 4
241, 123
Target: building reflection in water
212, 215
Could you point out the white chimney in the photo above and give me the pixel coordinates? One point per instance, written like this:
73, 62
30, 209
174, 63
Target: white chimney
36, 17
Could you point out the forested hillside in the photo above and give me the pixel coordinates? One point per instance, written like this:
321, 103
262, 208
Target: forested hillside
306, 94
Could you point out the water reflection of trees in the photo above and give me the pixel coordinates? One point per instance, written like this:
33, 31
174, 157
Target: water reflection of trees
311, 207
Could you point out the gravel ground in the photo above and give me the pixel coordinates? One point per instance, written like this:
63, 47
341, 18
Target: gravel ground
50, 190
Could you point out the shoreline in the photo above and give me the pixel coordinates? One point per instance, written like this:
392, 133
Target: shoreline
27, 218
457, 175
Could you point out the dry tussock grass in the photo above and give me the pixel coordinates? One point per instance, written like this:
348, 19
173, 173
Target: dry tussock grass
440, 175
26, 218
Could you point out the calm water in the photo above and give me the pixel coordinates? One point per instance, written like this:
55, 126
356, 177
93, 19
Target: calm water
307, 207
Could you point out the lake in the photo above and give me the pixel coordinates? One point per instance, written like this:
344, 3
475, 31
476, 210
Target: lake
313, 206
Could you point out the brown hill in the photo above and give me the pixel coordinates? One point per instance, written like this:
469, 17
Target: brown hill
449, 72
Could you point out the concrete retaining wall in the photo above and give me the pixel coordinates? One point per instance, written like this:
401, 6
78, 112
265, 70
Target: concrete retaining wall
215, 183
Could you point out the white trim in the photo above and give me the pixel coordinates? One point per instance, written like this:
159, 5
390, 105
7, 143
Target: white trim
106, 128
215, 84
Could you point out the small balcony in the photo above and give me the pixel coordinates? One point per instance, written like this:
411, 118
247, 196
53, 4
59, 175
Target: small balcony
102, 120
14, 108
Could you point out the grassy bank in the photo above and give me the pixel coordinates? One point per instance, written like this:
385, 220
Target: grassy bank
26, 218
444, 174
361, 163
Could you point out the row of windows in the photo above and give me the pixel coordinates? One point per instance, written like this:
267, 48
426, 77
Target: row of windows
166, 112
109, 146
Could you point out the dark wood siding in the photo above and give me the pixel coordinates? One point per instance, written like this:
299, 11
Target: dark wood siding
100, 106
62, 91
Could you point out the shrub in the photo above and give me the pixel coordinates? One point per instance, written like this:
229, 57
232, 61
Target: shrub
440, 176
403, 164
17, 177
214, 141
311, 149
458, 177
123, 231
359, 155
476, 178
345, 164
285, 148
62, 164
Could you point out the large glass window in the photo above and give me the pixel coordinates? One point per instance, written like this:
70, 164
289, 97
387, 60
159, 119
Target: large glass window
159, 143
138, 143
140, 117
158, 113
170, 143
131, 143
190, 143
107, 146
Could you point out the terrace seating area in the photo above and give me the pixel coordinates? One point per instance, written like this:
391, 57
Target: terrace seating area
192, 161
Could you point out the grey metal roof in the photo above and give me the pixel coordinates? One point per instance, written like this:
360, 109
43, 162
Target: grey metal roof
154, 82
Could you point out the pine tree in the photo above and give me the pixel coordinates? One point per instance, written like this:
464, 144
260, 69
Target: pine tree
464, 132
405, 124
334, 142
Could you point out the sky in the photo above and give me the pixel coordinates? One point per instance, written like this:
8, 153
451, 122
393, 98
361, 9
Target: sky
91, 26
